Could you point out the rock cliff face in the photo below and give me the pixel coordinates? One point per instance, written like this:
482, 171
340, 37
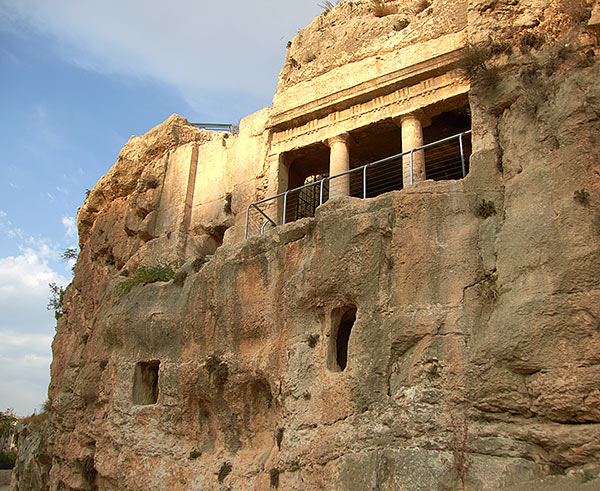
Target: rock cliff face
443, 336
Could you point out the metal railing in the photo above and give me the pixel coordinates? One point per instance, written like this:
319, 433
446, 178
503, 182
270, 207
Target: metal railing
444, 159
231, 128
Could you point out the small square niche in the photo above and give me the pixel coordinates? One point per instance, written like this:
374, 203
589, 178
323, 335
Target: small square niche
145, 383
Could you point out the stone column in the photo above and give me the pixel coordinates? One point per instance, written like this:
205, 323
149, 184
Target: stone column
283, 183
339, 161
412, 137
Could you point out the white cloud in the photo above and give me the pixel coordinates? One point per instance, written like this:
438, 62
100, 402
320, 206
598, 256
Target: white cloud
38, 342
69, 224
26, 326
193, 45
7, 227
24, 280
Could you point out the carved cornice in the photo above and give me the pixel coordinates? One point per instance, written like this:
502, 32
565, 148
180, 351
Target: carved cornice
427, 95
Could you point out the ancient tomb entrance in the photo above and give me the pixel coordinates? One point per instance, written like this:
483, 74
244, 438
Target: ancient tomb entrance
310, 164
371, 144
368, 160
145, 382
310, 197
444, 161
342, 321
304, 166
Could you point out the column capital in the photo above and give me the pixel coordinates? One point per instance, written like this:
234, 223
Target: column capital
418, 114
341, 138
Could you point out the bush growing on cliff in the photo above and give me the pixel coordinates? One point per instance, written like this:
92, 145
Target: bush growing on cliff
474, 62
582, 196
69, 253
274, 475
145, 275
7, 459
327, 5
224, 471
485, 209
55, 302
531, 40
380, 8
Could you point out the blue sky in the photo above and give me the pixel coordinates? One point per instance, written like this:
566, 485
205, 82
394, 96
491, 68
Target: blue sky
77, 79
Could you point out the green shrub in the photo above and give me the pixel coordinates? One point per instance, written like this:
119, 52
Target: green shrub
531, 40
485, 209
69, 253
224, 471
145, 275
47, 406
501, 47
55, 302
194, 454
274, 475
473, 59
582, 196
474, 62
87, 469
7, 459
312, 340
588, 476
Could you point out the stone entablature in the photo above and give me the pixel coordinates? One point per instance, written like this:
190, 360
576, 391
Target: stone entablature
424, 94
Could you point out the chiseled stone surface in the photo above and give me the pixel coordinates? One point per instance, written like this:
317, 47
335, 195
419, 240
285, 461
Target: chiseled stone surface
473, 361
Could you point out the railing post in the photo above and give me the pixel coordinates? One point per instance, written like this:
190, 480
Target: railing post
247, 216
321, 192
285, 206
411, 167
262, 229
462, 155
365, 182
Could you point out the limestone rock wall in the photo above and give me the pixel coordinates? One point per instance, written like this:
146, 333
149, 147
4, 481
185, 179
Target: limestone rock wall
473, 359
353, 31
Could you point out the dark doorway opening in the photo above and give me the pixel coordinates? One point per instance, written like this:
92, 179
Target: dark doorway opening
310, 197
444, 161
372, 143
306, 165
342, 322
145, 383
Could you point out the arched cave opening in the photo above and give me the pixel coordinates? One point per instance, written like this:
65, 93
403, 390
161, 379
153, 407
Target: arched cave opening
342, 322
145, 382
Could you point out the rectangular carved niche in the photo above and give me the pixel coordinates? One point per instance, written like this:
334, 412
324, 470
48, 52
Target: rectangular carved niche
145, 382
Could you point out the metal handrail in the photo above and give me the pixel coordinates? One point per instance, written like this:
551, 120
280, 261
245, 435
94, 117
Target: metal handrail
362, 169
231, 128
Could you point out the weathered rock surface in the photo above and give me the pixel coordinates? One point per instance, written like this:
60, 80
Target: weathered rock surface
474, 357
352, 31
